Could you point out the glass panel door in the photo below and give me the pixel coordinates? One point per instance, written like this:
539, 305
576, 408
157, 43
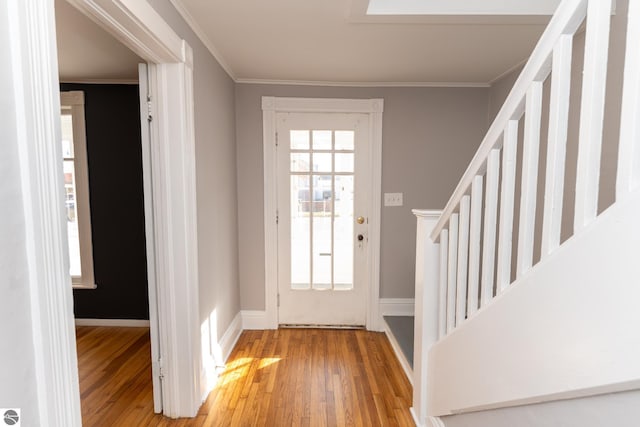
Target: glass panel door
322, 208
323, 162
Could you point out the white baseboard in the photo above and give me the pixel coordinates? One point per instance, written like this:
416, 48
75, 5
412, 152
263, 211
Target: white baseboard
230, 337
417, 422
435, 422
397, 306
430, 421
131, 323
213, 361
398, 351
254, 319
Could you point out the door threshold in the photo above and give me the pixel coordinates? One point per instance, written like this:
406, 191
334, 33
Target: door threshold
296, 326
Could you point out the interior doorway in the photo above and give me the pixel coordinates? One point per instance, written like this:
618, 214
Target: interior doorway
106, 146
168, 158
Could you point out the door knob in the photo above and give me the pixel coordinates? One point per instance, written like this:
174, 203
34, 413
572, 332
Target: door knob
360, 237
360, 220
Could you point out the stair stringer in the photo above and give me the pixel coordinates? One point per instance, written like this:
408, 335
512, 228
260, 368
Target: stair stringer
568, 328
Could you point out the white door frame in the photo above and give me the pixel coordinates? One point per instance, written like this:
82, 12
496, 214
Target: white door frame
270, 107
33, 53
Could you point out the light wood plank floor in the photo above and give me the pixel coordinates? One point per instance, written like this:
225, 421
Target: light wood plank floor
288, 377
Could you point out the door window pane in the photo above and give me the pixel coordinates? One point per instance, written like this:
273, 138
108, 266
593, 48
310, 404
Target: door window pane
343, 245
322, 162
322, 209
345, 140
344, 162
322, 139
300, 233
322, 232
299, 139
299, 162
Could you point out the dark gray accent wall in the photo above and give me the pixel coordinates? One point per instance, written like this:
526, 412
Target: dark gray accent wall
114, 152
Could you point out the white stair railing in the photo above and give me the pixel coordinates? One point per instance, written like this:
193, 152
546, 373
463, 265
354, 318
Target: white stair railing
473, 239
495, 162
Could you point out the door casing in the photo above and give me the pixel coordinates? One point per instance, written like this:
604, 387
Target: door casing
371, 107
137, 25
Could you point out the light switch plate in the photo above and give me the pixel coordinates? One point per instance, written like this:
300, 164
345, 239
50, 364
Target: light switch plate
393, 199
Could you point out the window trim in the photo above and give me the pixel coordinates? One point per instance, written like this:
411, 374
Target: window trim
73, 101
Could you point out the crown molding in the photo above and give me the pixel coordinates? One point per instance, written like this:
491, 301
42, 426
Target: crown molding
362, 84
206, 41
508, 71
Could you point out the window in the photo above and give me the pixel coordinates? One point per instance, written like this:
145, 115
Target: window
76, 185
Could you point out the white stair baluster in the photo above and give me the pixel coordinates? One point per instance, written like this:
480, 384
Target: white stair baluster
505, 236
442, 306
528, 193
629, 149
463, 260
592, 112
557, 144
475, 229
452, 267
490, 216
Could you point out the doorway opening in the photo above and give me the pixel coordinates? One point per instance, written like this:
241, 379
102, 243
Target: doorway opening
108, 211
322, 220
167, 151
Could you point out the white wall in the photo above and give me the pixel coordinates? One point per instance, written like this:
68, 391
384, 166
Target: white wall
18, 387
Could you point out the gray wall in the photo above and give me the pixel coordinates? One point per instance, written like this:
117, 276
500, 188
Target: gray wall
619, 410
500, 90
429, 137
18, 386
215, 179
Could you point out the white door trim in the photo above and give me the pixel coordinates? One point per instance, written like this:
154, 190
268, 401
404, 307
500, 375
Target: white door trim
34, 75
141, 28
271, 106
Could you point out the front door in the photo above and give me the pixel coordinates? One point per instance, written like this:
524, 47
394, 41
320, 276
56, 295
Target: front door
322, 218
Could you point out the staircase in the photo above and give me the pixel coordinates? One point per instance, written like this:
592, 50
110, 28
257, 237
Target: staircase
527, 283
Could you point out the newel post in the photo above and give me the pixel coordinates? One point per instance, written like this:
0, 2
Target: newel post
426, 308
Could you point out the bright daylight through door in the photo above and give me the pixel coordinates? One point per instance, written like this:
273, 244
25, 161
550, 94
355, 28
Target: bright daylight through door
322, 168
320, 198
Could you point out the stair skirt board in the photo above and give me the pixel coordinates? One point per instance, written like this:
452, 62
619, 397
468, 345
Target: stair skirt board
397, 348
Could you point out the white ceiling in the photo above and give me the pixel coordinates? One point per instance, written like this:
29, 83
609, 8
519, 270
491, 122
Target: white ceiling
461, 7
321, 41
326, 41
87, 53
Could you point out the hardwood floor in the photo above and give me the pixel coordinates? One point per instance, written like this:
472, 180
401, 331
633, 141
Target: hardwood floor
287, 377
